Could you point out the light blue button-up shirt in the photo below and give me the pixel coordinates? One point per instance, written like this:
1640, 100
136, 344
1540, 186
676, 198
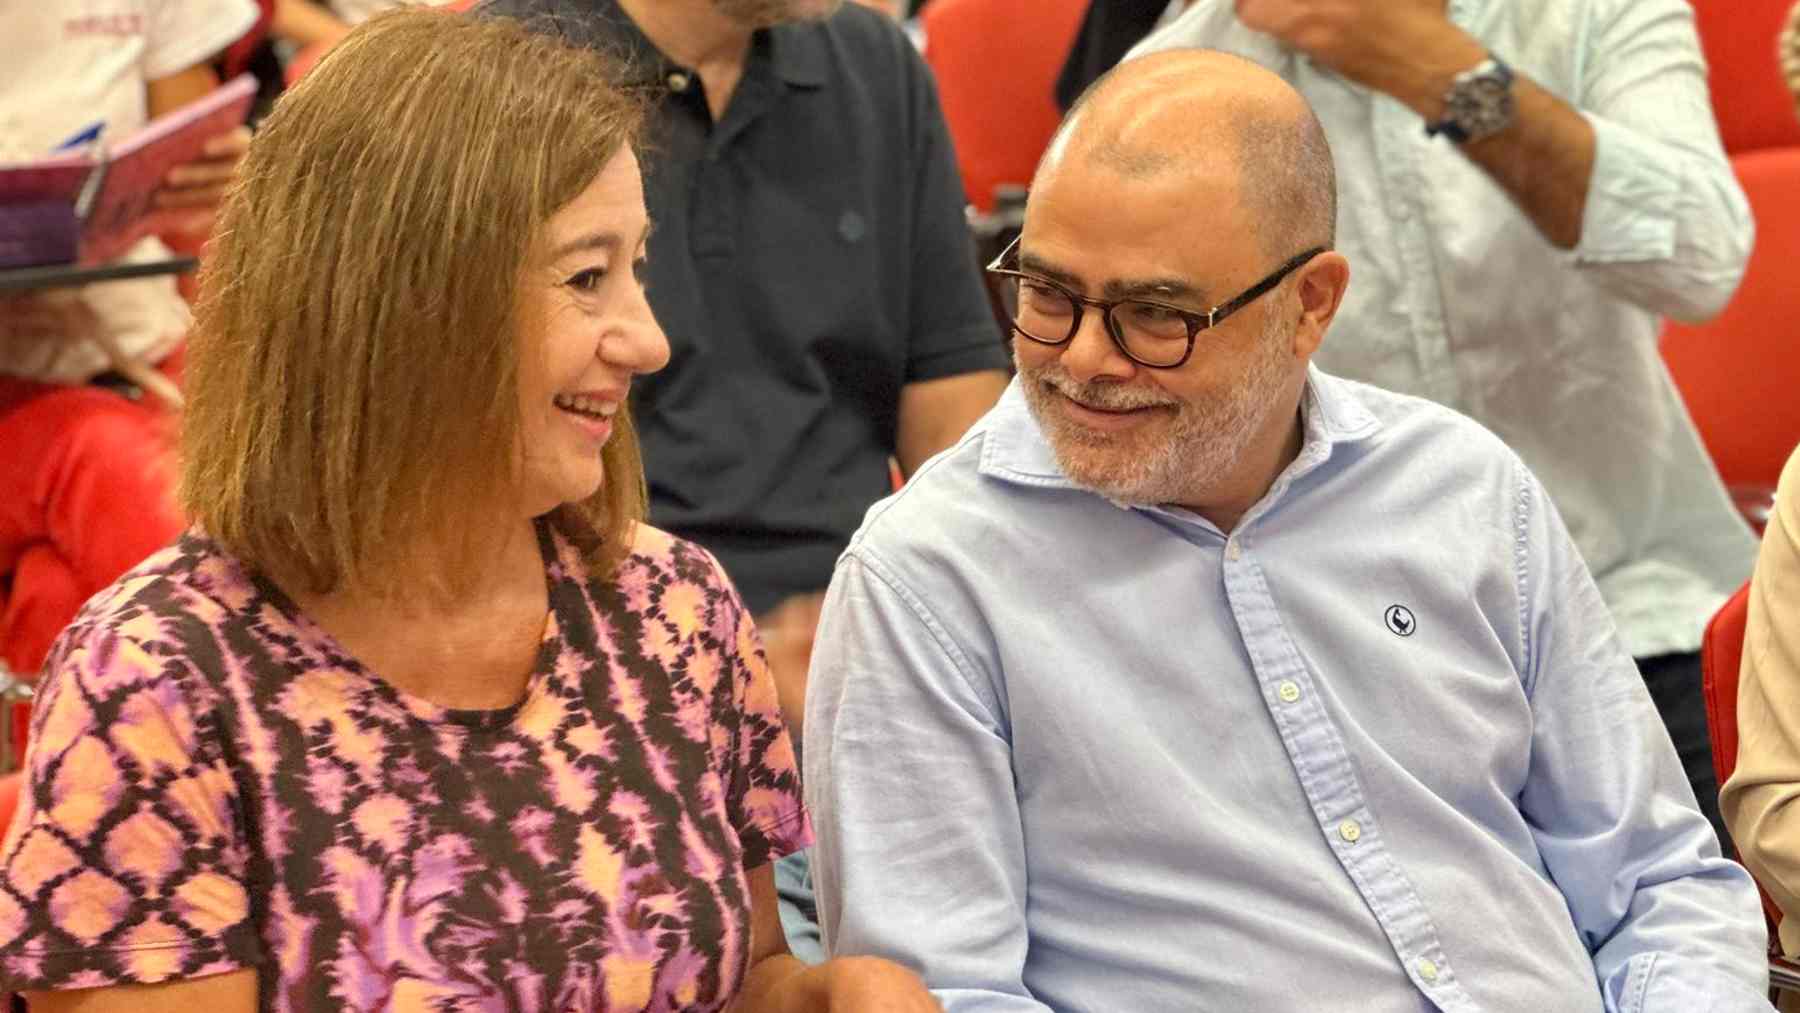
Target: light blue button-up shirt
1457, 297
1381, 748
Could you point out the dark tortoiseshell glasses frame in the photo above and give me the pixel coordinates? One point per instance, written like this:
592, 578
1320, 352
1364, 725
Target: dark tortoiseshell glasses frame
1004, 267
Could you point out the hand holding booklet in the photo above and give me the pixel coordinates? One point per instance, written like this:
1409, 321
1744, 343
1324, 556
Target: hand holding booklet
90, 206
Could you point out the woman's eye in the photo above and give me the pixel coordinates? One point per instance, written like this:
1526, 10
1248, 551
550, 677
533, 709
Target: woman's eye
588, 280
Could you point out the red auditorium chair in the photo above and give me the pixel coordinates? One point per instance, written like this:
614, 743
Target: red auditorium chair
1754, 108
996, 63
1739, 372
1721, 652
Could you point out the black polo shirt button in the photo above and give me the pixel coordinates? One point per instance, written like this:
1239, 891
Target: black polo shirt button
852, 227
679, 80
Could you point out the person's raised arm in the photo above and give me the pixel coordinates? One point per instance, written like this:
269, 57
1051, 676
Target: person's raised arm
920, 855
1629, 175
1671, 924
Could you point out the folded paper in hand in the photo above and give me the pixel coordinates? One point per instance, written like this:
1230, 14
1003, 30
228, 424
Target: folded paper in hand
92, 206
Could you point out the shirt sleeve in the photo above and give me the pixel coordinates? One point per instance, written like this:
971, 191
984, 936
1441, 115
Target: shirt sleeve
1759, 801
1666, 225
125, 863
1672, 925
952, 330
762, 790
921, 856
182, 33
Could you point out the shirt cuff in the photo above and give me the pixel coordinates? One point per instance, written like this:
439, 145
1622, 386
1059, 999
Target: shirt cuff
1630, 214
1664, 983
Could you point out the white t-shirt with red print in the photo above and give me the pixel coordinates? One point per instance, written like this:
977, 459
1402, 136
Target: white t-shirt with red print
73, 63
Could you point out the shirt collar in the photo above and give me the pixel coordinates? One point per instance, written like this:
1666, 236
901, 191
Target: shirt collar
795, 52
1014, 448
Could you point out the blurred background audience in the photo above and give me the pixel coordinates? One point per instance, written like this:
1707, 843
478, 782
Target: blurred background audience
88, 374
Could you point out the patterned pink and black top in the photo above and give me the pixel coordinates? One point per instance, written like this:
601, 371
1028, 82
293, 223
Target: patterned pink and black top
215, 784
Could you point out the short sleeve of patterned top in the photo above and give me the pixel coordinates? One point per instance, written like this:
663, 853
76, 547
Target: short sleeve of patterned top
214, 785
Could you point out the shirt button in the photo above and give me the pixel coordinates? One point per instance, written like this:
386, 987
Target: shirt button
1427, 969
1288, 691
1231, 550
1350, 831
678, 81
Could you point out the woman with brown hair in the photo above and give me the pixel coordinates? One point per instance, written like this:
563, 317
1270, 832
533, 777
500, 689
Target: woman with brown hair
419, 714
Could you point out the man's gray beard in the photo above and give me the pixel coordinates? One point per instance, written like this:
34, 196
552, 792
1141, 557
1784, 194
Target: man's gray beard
1204, 444
768, 13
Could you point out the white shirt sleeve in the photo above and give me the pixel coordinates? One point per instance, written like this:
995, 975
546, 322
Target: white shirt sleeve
181, 33
1672, 925
1666, 225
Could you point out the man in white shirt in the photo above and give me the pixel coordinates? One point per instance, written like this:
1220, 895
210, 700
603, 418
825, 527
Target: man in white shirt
83, 491
1527, 187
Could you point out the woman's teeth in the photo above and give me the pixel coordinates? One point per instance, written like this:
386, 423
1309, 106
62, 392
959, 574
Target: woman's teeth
586, 405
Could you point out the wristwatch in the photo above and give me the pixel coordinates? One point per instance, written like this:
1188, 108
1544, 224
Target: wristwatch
1479, 103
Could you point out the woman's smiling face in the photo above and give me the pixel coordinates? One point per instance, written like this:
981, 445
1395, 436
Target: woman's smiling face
586, 331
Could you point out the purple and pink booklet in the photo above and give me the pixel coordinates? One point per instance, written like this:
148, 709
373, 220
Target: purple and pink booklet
92, 206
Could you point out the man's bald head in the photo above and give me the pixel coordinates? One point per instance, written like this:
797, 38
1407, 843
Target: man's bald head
1181, 109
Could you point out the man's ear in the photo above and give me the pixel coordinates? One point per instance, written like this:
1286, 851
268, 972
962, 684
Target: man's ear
1320, 286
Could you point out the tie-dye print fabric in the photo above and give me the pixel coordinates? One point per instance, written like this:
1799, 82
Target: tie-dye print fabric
214, 784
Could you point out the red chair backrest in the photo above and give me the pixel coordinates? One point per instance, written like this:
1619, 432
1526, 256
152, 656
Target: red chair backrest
996, 63
1750, 99
1721, 652
1739, 372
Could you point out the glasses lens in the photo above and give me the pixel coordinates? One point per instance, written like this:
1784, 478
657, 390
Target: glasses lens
1042, 312
1156, 335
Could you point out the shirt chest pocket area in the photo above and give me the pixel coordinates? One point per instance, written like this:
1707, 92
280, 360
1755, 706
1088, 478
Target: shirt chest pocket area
1416, 704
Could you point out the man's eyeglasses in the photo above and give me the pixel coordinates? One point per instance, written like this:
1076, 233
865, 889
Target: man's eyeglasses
1150, 333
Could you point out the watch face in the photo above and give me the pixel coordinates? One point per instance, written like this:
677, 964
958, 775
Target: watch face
1481, 105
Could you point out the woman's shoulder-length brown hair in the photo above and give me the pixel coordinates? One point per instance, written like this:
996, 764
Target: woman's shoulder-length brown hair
352, 376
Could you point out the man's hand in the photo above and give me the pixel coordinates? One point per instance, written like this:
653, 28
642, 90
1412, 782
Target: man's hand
873, 985
199, 186
1408, 49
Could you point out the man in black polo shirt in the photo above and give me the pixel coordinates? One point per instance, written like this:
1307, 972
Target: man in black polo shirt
812, 269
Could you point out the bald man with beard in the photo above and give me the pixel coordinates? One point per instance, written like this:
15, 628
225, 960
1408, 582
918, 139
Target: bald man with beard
1196, 678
